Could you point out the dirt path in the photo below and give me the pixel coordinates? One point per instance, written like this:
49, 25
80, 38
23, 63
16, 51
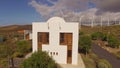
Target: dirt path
106, 55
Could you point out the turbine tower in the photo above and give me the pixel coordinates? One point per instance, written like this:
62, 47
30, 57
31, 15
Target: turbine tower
101, 23
80, 20
108, 22
115, 20
61, 12
92, 23
119, 22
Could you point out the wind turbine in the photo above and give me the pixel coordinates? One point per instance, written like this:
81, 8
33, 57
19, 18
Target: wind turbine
101, 23
92, 21
80, 20
108, 22
61, 12
115, 20
119, 22
63, 16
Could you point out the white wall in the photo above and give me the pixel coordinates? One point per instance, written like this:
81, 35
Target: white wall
28, 32
30, 35
61, 50
54, 26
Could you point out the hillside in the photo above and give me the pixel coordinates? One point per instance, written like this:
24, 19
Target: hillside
114, 30
15, 28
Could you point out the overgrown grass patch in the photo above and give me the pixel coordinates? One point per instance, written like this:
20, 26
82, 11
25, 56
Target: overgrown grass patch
93, 61
89, 62
117, 55
102, 63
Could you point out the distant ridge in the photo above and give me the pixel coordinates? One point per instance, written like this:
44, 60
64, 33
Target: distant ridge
15, 28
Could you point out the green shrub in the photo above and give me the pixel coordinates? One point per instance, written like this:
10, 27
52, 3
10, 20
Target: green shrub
98, 35
2, 38
113, 42
18, 54
81, 33
85, 44
16, 35
39, 60
104, 37
5, 51
89, 63
93, 56
23, 47
102, 63
4, 62
117, 55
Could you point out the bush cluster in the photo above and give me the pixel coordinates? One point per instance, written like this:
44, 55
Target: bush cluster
23, 47
99, 36
85, 44
113, 42
39, 60
102, 63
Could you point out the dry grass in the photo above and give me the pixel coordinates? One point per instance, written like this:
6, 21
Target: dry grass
15, 28
9, 31
114, 30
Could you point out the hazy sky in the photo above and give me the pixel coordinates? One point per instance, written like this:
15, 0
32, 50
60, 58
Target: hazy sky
17, 12
28, 11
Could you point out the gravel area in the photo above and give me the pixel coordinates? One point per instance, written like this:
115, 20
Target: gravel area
80, 64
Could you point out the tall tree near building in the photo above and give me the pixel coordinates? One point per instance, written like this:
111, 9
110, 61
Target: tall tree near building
85, 44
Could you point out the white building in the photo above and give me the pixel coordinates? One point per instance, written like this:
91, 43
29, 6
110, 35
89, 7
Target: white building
58, 38
27, 35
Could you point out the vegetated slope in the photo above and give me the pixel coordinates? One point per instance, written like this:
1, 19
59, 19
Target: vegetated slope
114, 30
15, 28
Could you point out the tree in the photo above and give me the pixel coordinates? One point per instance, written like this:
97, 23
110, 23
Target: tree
99, 36
104, 37
23, 47
85, 44
2, 38
6, 53
81, 33
113, 42
39, 60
